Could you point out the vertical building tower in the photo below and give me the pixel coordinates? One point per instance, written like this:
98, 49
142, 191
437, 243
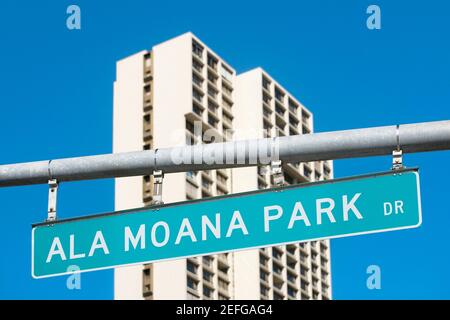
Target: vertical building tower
181, 92
295, 271
161, 97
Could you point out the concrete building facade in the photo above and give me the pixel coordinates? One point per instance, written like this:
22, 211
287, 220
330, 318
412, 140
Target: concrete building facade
182, 92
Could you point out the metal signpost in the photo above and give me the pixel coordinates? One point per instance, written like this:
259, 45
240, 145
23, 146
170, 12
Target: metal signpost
336, 208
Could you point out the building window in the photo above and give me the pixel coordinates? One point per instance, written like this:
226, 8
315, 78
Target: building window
227, 104
279, 95
264, 276
292, 292
191, 283
277, 269
304, 285
207, 292
277, 296
303, 272
191, 267
197, 95
197, 110
207, 261
266, 98
293, 106
291, 278
197, 80
227, 89
226, 73
212, 62
191, 174
221, 178
212, 92
208, 276
223, 284
307, 172
276, 253
293, 121
197, 49
279, 109
197, 66
264, 290
266, 83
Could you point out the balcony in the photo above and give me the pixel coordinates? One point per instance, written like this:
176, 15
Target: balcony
207, 187
265, 252
279, 95
293, 110
267, 113
228, 91
191, 190
226, 107
197, 50
207, 175
197, 96
222, 185
279, 121
212, 63
222, 258
292, 293
222, 274
293, 130
207, 262
197, 67
212, 92
278, 294
305, 294
213, 111
292, 278
290, 253
212, 83
305, 130
227, 121
278, 275
192, 178
224, 292
279, 132
277, 253
225, 80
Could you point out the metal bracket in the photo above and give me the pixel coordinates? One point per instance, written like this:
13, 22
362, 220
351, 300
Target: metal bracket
397, 160
397, 155
52, 196
277, 173
158, 177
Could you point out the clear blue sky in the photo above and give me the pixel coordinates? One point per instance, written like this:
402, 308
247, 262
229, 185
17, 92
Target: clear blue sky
56, 101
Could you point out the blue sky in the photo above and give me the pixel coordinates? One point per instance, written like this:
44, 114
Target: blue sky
56, 101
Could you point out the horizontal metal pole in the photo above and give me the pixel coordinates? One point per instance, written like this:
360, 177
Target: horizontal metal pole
419, 137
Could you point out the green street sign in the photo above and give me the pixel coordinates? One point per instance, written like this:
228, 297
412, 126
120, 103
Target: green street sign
310, 211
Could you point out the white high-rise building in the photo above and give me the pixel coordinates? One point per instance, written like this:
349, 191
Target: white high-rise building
159, 97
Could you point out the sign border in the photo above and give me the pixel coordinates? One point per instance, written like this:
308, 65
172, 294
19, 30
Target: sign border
415, 170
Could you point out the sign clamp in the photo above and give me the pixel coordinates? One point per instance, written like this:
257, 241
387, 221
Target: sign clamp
158, 177
397, 154
276, 172
52, 197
